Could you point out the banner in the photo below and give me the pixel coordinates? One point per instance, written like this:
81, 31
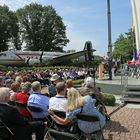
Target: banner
136, 20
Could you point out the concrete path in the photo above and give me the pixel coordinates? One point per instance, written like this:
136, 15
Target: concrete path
118, 80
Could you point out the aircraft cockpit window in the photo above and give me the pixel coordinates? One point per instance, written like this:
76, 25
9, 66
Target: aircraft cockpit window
2, 54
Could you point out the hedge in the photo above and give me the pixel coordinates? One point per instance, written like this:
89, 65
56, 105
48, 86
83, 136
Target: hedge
109, 99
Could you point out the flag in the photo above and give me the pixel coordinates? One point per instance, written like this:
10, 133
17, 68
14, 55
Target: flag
136, 21
135, 55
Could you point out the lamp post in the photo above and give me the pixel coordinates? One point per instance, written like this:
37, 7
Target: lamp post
109, 39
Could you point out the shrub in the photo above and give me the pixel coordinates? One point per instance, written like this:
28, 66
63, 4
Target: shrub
78, 81
3, 68
109, 99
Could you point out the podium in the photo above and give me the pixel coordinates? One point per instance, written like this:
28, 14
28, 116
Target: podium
100, 71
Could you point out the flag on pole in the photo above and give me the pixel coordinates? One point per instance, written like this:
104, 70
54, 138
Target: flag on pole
135, 55
136, 21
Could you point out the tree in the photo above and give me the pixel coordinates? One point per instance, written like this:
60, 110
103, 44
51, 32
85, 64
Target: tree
124, 46
42, 28
14, 31
8, 29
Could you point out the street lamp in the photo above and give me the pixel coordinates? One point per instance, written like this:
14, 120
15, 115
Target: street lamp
109, 40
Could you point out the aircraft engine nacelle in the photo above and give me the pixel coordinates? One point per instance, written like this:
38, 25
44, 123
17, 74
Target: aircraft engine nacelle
46, 58
32, 62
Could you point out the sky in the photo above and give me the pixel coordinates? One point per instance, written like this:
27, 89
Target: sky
86, 20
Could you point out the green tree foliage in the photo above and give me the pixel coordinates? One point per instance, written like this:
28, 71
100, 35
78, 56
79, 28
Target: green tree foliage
124, 46
8, 29
14, 31
98, 59
42, 28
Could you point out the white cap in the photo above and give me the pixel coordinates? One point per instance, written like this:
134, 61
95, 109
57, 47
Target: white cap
89, 82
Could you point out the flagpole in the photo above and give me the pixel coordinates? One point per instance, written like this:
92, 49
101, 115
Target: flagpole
109, 40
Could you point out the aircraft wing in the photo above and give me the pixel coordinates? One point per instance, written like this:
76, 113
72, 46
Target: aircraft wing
71, 55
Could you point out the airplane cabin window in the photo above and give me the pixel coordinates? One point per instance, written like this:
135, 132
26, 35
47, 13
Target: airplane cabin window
2, 54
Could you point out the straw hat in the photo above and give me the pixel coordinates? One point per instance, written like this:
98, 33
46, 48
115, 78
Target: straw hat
55, 77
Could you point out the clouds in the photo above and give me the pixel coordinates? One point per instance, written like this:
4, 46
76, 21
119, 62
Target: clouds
16, 4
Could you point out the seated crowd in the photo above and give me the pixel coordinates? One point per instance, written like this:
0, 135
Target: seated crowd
59, 95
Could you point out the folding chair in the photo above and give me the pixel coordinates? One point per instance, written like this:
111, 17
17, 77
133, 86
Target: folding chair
12, 103
59, 113
5, 132
20, 105
98, 135
55, 124
46, 120
60, 127
53, 134
34, 109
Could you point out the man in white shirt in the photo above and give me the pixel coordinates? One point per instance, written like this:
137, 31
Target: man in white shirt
59, 101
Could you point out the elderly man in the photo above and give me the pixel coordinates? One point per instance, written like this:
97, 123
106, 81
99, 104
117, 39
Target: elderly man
21, 129
37, 99
89, 89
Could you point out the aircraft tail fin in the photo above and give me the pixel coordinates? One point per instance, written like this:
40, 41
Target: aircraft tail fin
89, 54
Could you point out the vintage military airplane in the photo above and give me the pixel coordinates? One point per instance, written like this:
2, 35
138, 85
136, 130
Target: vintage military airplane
18, 57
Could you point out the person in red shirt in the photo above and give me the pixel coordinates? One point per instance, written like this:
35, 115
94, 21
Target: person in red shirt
22, 97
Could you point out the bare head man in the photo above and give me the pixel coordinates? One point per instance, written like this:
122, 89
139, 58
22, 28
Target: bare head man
61, 88
36, 86
4, 94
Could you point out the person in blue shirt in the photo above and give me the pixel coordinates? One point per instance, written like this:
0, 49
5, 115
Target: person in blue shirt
38, 99
77, 104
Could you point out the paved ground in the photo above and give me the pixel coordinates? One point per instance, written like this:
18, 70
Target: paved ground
116, 85
124, 124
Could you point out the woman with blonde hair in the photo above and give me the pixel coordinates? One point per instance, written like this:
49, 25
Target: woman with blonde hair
79, 104
19, 79
75, 100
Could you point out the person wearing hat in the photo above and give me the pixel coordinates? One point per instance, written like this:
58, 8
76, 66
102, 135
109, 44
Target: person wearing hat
52, 89
8, 83
89, 89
